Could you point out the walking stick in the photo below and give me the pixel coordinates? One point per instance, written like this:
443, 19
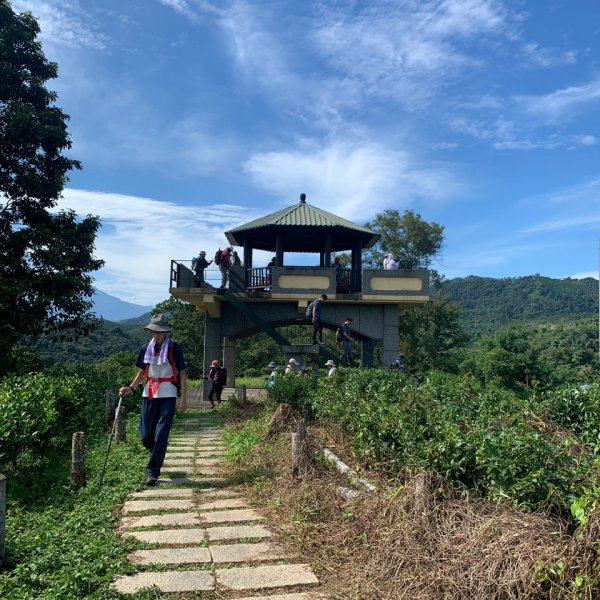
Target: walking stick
112, 433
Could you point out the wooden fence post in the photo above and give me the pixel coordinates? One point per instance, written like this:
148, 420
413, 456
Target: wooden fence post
300, 453
2, 518
78, 459
241, 395
120, 428
109, 410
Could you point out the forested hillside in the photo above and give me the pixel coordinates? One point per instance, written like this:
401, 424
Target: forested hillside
487, 304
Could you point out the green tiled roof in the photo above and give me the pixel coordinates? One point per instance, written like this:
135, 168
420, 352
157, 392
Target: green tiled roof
305, 226
302, 214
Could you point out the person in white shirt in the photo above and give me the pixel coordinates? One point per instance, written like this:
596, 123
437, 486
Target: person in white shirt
331, 367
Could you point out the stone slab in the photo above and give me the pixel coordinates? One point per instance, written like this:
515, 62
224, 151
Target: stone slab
168, 520
264, 577
193, 480
166, 581
191, 469
171, 556
220, 504
208, 462
164, 492
133, 506
231, 516
178, 462
168, 536
238, 553
237, 532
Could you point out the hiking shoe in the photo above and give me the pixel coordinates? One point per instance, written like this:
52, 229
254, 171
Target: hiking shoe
151, 480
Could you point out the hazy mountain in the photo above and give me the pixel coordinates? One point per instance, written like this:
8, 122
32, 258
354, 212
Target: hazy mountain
112, 308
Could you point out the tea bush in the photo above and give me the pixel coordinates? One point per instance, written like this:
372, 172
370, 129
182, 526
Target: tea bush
479, 436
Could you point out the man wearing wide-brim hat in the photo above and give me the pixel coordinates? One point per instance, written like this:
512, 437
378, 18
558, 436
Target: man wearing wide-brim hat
162, 365
200, 263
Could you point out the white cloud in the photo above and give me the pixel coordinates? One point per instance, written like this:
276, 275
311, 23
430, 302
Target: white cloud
64, 23
140, 237
405, 50
561, 103
355, 180
539, 56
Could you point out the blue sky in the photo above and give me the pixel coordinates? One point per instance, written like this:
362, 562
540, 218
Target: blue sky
194, 116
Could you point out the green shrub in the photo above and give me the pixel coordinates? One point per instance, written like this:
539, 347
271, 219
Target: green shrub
479, 436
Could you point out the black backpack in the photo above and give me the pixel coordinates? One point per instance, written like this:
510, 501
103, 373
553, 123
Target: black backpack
218, 254
222, 376
338, 335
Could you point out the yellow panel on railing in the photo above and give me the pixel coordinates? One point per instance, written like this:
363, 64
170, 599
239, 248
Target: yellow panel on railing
404, 284
303, 282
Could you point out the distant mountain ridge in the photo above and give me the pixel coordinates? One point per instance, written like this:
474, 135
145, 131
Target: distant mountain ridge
487, 304
112, 308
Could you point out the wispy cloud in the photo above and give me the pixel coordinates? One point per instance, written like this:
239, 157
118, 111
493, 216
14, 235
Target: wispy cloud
140, 236
64, 23
352, 179
405, 50
536, 55
561, 103
576, 208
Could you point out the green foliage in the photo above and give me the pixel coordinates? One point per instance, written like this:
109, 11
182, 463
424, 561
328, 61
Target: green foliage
63, 543
415, 243
544, 356
38, 411
46, 256
429, 333
488, 304
577, 408
482, 437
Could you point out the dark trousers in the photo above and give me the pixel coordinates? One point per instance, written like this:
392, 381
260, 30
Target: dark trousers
346, 352
215, 390
199, 279
155, 423
317, 330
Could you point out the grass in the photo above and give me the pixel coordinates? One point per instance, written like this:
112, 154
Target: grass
252, 382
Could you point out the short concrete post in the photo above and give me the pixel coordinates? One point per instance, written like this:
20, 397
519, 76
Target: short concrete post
109, 410
241, 395
120, 434
78, 459
300, 454
2, 518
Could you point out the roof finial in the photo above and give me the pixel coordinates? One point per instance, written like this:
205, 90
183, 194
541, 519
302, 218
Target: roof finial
302, 198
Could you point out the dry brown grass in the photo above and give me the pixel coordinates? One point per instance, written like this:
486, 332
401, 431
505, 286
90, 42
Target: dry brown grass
420, 540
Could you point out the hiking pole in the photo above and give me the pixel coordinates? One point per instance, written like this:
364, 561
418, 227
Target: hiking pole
112, 433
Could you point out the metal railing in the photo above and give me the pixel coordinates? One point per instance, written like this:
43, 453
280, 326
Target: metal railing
259, 278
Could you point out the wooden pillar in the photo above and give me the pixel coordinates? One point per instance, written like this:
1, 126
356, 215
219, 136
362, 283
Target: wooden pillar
2, 518
321, 259
120, 433
300, 452
78, 459
109, 410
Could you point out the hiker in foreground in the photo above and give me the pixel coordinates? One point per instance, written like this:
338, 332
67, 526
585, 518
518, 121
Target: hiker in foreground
162, 366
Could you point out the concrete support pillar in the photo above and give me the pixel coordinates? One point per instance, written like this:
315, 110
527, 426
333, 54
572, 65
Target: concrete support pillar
212, 347
327, 250
279, 250
229, 359
366, 354
247, 255
391, 337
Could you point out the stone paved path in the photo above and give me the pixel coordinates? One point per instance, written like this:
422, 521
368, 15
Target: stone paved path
198, 534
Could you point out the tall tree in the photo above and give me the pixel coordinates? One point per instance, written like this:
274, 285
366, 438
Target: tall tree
415, 243
46, 256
